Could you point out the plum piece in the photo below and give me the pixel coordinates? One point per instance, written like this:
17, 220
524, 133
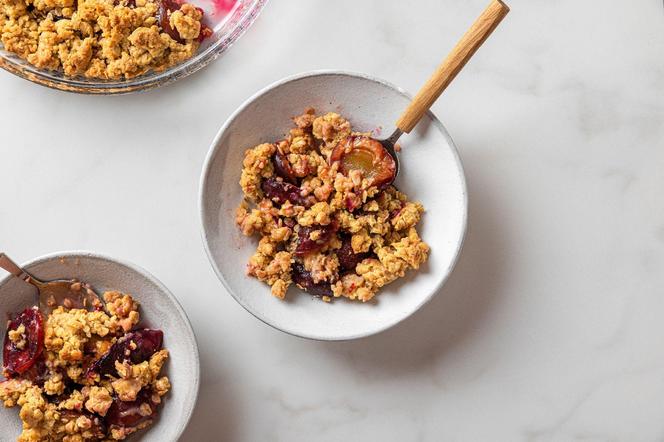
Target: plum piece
352, 203
38, 373
348, 259
206, 32
283, 168
305, 281
280, 192
70, 387
19, 360
166, 7
289, 222
394, 213
128, 413
147, 341
363, 153
306, 245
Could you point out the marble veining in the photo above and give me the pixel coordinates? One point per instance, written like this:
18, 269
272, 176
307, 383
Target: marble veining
550, 327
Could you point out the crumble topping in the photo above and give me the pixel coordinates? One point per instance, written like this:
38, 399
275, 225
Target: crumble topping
102, 39
18, 337
331, 231
93, 375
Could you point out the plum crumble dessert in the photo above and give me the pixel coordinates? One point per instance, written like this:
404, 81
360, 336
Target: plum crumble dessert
101, 39
328, 218
81, 375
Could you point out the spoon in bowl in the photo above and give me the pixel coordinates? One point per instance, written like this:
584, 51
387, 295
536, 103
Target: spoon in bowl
378, 159
70, 293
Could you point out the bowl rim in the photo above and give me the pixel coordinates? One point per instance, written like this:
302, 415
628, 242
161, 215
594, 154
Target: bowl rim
140, 270
144, 82
214, 147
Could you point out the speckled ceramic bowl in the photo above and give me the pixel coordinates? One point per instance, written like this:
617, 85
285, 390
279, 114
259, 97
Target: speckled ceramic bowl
159, 309
430, 172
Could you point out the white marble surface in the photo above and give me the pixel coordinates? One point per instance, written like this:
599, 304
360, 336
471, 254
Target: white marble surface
551, 327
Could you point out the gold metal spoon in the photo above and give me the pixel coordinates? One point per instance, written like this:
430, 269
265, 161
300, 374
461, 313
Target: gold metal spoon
70, 293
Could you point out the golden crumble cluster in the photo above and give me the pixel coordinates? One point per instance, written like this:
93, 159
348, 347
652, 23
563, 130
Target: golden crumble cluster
81, 375
101, 39
333, 230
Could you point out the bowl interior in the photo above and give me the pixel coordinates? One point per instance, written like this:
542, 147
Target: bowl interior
158, 309
430, 173
228, 20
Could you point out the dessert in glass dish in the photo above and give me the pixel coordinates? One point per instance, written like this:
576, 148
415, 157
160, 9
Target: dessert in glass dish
101, 39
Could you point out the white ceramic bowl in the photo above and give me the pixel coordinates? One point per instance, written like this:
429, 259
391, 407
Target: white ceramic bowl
159, 309
431, 172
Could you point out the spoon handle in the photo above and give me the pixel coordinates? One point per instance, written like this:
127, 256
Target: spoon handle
452, 65
9, 265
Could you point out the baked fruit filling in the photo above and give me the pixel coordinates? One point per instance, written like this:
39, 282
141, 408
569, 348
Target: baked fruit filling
326, 213
83, 376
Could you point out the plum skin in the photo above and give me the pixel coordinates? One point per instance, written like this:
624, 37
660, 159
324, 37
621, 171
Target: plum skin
359, 152
306, 245
348, 259
147, 341
283, 168
18, 361
303, 279
281, 191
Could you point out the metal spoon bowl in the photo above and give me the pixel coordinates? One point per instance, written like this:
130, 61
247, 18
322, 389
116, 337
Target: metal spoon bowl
69, 293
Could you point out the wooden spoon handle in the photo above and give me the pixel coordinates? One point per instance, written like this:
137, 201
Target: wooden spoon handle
452, 65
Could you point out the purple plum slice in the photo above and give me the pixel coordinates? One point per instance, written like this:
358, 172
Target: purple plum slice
303, 278
348, 259
147, 341
306, 245
283, 167
19, 360
281, 191
128, 413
